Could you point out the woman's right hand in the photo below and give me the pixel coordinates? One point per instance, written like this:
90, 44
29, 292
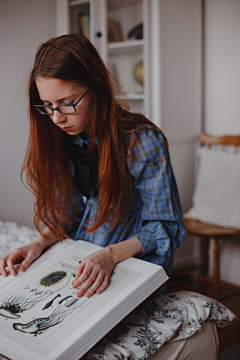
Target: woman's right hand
24, 256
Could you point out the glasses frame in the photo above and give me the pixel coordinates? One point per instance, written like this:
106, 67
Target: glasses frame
57, 107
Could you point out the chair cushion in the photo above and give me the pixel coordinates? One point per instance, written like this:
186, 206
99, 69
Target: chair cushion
216, 198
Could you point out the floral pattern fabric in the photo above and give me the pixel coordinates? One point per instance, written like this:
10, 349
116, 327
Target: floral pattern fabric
163, 319
166, 318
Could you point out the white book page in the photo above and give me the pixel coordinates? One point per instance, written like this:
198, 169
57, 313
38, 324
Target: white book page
39, 310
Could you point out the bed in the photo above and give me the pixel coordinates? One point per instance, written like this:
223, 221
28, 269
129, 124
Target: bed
181, 325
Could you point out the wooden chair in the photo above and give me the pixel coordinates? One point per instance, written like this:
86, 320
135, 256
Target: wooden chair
207, 231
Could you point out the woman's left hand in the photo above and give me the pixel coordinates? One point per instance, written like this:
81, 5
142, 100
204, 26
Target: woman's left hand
94, 272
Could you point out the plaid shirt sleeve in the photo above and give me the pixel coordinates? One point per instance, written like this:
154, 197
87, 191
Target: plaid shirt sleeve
162, 228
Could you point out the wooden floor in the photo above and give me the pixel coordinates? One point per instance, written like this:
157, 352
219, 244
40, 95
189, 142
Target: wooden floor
228, 336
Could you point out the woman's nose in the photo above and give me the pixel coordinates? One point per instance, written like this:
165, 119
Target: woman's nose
57, 117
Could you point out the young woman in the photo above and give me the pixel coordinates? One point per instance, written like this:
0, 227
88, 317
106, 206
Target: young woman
99, 172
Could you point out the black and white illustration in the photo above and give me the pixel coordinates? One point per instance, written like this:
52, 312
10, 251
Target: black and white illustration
44, 300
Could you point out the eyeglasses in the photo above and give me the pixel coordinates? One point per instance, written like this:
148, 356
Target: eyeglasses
65, 109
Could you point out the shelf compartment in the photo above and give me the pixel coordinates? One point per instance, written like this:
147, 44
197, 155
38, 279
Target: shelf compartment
75, 24
78, 2
132, 96
126, 45
113, 4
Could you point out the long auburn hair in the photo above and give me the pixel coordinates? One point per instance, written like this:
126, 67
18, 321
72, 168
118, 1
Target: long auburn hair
72, 58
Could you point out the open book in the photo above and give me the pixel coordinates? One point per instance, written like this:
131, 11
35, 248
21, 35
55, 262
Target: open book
41, 318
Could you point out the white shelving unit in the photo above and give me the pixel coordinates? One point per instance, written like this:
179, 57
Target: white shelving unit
121, 56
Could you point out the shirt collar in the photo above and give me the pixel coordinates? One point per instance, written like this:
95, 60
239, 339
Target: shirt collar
81, 139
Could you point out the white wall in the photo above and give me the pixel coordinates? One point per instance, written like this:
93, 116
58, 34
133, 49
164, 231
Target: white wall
24, 25
222, 66
181, 98
222, 95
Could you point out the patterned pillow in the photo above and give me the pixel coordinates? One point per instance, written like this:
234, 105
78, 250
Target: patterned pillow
166, 318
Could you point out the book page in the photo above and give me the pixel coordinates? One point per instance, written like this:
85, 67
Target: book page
41, 310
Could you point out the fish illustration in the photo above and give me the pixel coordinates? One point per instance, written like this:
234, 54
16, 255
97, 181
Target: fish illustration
49, 303
67, 297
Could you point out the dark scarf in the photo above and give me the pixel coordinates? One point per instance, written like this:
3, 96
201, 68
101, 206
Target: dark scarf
86, 169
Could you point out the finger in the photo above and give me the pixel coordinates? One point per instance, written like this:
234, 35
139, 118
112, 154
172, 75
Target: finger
98, 287
79, 271
10, 266
85, 274
86, 285
103, 286
9, 260
27, 261
15, 257
3, 265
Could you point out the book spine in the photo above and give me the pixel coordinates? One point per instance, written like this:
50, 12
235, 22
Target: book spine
84, 24
114, 31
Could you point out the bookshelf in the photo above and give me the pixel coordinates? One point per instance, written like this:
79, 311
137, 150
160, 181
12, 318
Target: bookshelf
115, 19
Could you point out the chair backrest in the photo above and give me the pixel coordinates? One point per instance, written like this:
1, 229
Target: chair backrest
209, 140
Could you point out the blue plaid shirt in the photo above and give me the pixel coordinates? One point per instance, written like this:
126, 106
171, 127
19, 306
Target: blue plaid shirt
154, 216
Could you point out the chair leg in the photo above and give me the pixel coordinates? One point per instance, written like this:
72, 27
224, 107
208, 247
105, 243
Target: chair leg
216, 267
205, 256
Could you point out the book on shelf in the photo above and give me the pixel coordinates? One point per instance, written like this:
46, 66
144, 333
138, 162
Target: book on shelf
114, 30
84, 24
41, 317
136, 32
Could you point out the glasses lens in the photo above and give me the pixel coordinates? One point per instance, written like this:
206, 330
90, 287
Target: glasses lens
66, 109
44, 110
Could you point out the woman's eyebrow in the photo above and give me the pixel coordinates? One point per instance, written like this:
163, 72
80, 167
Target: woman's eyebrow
66, 98
60, 100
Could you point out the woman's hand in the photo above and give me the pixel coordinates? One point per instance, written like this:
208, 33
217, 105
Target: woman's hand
93, 274
24, 256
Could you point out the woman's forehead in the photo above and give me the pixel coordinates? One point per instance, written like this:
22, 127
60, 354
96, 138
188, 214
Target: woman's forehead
56, 88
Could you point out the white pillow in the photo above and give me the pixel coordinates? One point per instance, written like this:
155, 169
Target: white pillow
216, 199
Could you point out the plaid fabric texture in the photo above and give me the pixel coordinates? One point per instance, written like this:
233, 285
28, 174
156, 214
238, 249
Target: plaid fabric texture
154, 215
